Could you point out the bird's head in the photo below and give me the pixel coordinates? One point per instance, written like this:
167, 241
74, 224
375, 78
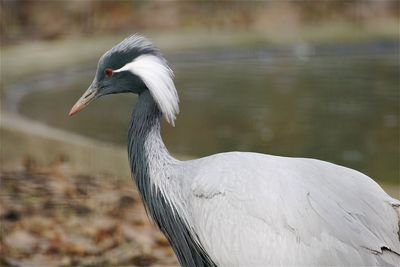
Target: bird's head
133, 66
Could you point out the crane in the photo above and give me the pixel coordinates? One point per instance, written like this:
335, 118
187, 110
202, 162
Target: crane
242, 208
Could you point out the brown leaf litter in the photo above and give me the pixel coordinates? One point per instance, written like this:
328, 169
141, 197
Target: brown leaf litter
52, 218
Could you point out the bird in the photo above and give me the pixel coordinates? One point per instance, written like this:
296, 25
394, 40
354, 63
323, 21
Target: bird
242, 208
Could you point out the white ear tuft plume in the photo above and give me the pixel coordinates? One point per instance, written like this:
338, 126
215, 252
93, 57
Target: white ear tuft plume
157, 76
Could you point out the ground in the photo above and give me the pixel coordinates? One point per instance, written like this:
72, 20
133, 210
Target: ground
51, 217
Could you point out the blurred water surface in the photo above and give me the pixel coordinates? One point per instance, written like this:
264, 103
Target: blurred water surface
338, 103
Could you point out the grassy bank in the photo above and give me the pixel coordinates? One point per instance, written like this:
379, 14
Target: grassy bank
23, 140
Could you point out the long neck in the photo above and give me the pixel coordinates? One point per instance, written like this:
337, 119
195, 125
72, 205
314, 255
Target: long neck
153, 171
148, 156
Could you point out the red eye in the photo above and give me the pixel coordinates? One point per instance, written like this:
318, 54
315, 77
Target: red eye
108, 72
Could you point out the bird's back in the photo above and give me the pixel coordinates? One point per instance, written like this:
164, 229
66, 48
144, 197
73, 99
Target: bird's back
255, 209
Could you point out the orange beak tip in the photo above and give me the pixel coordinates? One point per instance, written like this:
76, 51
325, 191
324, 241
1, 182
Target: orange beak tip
75, 109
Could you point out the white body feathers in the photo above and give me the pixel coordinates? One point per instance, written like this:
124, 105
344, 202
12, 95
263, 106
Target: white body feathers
251, 209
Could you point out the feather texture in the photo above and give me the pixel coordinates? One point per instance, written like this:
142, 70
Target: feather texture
153, 171
252, 209
157, 76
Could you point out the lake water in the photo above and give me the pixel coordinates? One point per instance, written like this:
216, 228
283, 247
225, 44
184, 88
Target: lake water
336, 103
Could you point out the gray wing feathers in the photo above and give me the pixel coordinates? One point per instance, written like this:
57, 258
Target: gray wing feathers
257, 209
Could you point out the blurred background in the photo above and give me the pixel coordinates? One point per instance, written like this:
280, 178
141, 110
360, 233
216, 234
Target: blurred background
313, 79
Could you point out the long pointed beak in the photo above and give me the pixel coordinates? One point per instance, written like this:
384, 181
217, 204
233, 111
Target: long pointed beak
86, 98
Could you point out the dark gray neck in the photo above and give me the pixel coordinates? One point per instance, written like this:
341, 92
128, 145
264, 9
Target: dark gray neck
148, 156
153, 171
